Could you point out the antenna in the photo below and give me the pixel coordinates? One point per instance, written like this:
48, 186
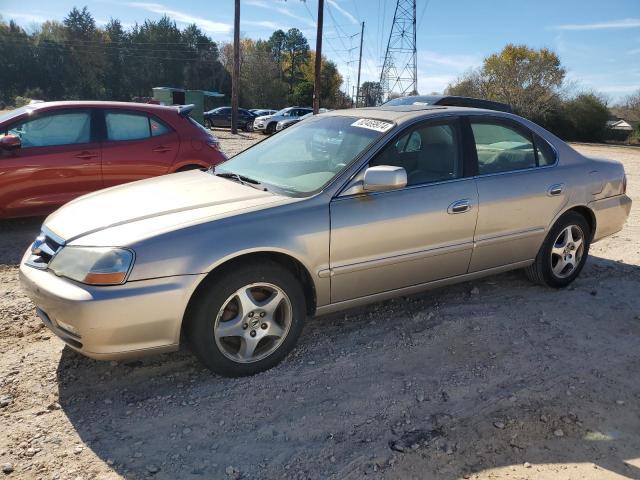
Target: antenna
399, 73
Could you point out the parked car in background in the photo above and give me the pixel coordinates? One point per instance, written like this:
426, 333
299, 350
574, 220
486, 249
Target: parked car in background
282, 124
259, 112
267, 123
236, 258
221, 118
53, 152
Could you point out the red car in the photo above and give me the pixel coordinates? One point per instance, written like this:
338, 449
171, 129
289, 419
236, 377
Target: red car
51, 153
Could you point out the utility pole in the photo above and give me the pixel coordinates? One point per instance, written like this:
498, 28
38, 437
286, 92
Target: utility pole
316, 83
359, 65
235, 76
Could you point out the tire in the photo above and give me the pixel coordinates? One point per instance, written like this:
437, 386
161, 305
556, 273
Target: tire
553, 265
208, 124
271, 128
248, 127
224, 330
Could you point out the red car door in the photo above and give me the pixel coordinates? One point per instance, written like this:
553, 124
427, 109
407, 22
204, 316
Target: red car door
136, 146
57, 161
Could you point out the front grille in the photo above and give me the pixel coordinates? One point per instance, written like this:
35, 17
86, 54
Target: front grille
44, 248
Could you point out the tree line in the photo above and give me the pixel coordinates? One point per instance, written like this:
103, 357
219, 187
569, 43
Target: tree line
534, 83
77, 59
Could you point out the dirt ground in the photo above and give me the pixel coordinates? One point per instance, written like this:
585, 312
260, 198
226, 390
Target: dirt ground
496, 378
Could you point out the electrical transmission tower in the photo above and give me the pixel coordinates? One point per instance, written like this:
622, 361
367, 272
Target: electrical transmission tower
400, 71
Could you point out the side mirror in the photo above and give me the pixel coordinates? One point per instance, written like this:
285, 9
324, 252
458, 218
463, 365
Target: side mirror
10, 142
382, 178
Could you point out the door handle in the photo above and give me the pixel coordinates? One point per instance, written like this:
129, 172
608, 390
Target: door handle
86, 155
556, 189
161, 149
459, 206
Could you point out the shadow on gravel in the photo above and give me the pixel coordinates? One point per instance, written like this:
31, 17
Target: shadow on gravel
436, 385
15, 236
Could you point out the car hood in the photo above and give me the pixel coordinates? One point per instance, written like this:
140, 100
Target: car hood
154, 205
263, 118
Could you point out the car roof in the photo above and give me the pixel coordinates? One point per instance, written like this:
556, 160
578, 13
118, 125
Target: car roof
404, 113
451, 101
150, 107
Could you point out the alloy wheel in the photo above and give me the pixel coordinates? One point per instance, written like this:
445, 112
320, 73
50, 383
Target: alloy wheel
253, 322
567, 251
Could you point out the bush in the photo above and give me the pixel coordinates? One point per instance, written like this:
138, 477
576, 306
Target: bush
21, 101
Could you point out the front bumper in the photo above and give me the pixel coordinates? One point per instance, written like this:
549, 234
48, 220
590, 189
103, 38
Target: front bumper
115, 322
260, 125
611, 213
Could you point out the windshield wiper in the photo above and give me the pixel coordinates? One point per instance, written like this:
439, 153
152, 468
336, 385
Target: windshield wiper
244, 180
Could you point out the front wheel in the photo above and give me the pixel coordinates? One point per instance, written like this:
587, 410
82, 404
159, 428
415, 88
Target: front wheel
563, 253
247, 320
248, 127
271, 128
207, 123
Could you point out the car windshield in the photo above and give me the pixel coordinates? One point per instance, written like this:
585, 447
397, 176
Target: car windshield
303, 159
282, 112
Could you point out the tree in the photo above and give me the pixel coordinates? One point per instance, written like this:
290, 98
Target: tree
276, 46
86, 55
80, 24
371, 93
260, 77
528, 79
115, 50
297, 55
587, 116
629, 108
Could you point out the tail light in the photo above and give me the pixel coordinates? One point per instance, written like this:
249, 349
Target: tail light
213, 143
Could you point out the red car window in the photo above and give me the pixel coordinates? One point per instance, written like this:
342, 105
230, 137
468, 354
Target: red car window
65, 128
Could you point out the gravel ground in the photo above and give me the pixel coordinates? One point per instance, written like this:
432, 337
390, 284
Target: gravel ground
490, 379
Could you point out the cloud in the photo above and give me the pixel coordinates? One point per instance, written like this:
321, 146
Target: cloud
282, 10
27, 17
335, 5
625, 23
181, 17
454, 62
262, 23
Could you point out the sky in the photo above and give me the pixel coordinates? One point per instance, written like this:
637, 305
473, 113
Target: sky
598, 41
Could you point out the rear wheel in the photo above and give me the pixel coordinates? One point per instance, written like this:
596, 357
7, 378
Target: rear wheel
563, 253
247, 320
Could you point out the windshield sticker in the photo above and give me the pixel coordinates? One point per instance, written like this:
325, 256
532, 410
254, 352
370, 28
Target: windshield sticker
377, 125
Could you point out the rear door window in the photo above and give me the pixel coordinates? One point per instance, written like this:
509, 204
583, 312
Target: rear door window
60, 128
123, 126
502, 147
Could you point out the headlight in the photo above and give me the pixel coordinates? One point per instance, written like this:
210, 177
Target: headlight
93, 265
